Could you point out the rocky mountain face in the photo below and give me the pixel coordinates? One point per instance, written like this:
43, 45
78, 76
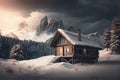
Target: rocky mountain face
50, 27
54, 25
72, 29
43, 26
96, 34
95, 37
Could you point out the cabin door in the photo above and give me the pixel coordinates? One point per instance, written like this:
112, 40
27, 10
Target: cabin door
61, 51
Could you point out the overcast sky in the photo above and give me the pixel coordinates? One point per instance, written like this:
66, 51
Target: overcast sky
89, 15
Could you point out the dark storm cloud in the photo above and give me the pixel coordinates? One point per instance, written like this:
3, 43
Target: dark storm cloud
90, 15
84, 13
75, 8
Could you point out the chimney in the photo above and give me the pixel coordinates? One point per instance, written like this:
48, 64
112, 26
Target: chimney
79, 34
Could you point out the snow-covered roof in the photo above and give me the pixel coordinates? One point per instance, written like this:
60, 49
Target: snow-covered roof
73, 38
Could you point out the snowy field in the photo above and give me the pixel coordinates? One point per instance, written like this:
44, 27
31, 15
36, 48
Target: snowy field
43, 68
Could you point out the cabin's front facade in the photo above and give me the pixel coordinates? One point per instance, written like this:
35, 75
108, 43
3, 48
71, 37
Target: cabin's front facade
63, 47
68, 45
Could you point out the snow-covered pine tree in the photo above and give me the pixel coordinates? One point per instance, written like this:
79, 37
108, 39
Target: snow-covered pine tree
106, 38
115, 36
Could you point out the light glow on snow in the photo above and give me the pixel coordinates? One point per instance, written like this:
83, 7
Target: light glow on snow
43, 68
10, 21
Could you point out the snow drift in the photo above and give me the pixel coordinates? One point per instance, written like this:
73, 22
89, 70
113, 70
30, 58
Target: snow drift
43, 68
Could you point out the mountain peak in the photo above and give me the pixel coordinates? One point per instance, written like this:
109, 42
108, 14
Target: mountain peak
50, 27
42, 27
44, 20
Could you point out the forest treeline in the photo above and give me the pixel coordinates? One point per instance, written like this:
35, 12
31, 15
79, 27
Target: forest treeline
111, 37
30, 49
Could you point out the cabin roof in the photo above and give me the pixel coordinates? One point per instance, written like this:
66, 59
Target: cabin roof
73, 38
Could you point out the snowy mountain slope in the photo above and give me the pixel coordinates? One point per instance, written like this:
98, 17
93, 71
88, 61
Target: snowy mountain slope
43, 69
95, 37
49, 27
43, 37
12, 35
37, 27
25, 30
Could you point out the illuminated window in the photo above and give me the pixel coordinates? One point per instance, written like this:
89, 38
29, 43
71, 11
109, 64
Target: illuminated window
67, 50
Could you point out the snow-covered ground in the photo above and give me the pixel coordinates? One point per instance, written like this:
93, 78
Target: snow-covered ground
43, 68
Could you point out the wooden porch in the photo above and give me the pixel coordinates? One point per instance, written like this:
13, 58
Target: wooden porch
77, 59
68, 59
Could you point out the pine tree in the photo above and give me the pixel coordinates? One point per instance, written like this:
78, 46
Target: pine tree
115, 36
106, 39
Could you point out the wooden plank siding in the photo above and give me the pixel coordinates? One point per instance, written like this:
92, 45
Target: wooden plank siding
63, 47
73, 52
82, 50
62, 41
64, 50
68, 50
85, 54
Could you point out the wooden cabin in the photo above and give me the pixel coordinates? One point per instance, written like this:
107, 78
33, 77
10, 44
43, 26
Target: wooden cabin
75, 47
